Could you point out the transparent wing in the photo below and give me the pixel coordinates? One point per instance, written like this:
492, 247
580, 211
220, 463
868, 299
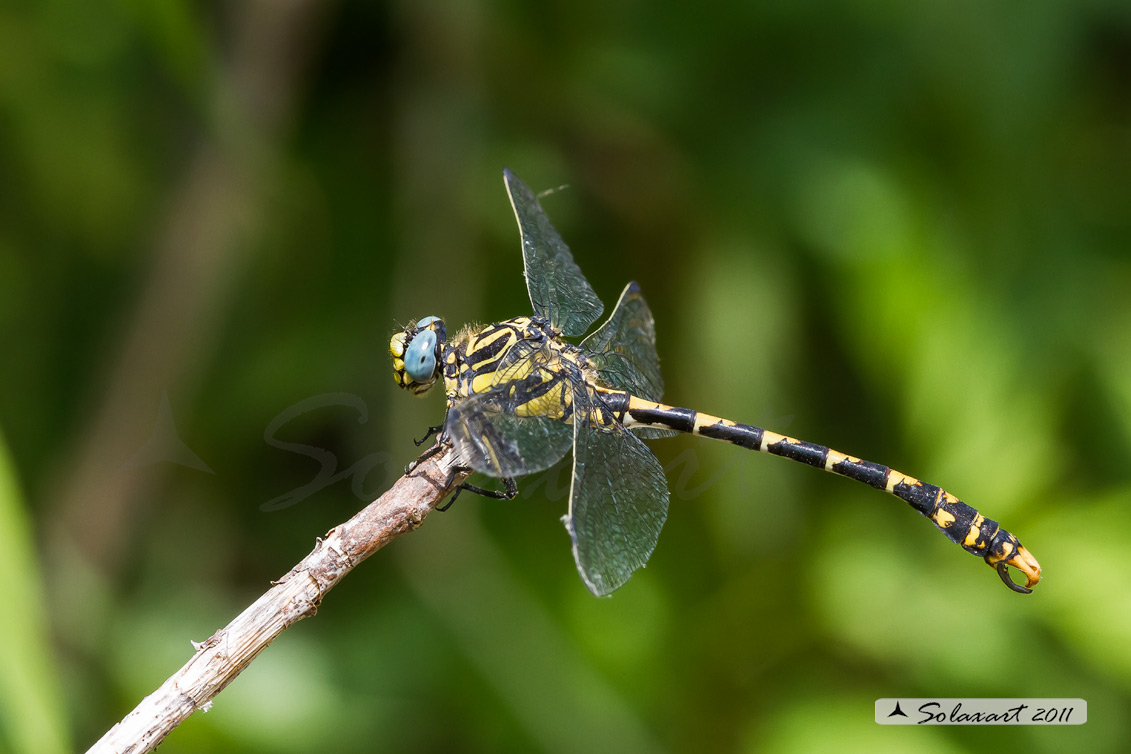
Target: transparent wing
623, 350
618, 504
558, 290
489, 438
493, 431
653, 433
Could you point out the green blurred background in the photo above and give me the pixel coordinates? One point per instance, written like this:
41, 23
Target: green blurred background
900, 229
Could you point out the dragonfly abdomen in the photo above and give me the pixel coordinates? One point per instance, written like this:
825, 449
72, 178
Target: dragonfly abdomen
959, 522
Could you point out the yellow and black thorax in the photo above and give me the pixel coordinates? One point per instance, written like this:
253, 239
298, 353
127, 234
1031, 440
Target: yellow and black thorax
497, 359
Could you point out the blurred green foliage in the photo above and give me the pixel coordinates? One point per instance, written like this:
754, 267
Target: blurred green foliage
898, 229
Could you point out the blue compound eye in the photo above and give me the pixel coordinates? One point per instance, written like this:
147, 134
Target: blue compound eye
420, 358
424, 323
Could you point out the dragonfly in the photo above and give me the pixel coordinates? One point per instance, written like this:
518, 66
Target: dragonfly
520, 397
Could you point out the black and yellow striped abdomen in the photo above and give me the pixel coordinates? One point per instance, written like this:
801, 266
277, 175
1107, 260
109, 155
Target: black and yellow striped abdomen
959, 522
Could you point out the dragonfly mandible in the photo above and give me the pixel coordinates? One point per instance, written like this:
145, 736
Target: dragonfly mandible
519, 398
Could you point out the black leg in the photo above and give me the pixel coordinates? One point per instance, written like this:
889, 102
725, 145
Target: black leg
510, 490
424, 457
431, 431
440, 441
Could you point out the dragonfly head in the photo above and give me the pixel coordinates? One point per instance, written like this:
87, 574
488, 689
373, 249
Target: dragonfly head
417, 353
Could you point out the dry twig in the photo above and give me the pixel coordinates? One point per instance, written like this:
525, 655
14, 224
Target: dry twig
295, 596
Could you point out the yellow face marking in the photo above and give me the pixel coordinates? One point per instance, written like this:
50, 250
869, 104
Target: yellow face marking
396, 345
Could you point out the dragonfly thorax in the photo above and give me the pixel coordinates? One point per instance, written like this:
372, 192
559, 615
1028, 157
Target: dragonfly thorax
416, 354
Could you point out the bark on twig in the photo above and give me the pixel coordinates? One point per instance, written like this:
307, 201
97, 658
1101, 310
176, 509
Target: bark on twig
295, 596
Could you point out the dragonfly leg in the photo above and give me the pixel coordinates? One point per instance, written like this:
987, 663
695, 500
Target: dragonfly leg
441, 442
510, 489
424, 457
431, 431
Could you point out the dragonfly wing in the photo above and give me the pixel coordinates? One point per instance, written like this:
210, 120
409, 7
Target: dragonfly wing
653, 433
623, 350
618, 503
492, 430
489, 438
558, 290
